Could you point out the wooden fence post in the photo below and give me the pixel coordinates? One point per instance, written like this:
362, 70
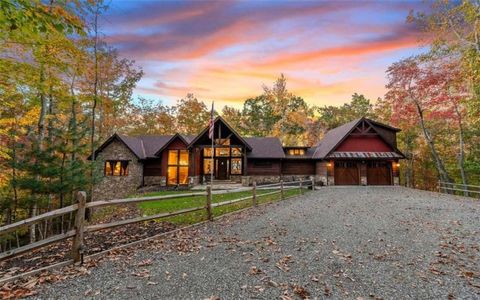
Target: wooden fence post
77, 246
281, 190
209, 203
254, 193
301, 190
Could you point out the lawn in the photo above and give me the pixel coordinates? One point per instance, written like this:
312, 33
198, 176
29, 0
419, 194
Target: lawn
156, 207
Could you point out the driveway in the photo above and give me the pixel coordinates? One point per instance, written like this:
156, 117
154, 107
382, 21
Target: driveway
334, 243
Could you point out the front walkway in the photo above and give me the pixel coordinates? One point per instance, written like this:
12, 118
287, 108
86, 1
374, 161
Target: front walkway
334, 243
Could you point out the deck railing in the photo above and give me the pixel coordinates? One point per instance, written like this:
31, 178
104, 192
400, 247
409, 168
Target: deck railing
466, 190
81, 225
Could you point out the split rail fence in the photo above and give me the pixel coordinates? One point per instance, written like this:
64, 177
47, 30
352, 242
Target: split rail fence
460, 189
81, 225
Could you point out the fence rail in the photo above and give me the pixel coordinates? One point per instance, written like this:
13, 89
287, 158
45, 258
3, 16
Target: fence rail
82, 227
467, 190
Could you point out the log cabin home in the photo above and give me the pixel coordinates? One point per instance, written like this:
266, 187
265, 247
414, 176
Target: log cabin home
361, 152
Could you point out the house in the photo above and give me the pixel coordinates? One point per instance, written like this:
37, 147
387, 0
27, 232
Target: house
361, 152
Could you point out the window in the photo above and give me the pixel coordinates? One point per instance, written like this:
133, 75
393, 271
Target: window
177, 171
296, 151
223, 142
345, 164
207, 152
116, 168
236, 166
222, 151
236, 152
207, 166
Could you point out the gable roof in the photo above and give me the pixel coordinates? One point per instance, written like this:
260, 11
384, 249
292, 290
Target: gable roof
333, 138
218, 118
146, 146
165, 145
265, 147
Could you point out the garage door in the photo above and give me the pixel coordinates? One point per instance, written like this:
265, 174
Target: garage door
379, 173
346, 173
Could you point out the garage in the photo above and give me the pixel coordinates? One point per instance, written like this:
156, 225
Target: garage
346, 173
379, 173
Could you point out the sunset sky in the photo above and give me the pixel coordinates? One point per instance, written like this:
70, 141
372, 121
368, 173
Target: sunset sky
226, 50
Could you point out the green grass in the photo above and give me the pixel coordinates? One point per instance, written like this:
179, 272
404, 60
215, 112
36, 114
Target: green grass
171, 205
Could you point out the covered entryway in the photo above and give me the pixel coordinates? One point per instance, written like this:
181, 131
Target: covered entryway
346, 173
379, 173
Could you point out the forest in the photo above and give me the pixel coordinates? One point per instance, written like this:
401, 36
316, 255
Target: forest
64, 90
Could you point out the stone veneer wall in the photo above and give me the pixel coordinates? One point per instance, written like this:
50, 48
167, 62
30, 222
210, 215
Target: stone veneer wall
110, 187
324, 174
236, 178
155, 180
260, 179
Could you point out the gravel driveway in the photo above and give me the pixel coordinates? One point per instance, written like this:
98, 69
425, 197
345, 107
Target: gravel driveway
334, 243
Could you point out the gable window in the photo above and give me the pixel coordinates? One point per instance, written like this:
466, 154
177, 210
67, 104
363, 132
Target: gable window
116, 168
177, 172
236, 152
223, 142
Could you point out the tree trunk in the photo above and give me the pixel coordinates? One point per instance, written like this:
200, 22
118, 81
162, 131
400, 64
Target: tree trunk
461, 153
94, 106
436, 158
40, 140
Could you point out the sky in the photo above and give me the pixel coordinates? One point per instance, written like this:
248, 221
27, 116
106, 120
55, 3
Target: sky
225, 51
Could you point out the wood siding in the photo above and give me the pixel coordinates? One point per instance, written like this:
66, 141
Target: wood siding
177, 144
389, 135
298, 167
363, 144
264, 167
152, 167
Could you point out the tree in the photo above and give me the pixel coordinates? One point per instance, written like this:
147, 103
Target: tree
234, 117
192, 115
453, 27
150, 117
413, 89
334, 116
258, 117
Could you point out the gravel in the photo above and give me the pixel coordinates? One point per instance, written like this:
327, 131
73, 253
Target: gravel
334, 243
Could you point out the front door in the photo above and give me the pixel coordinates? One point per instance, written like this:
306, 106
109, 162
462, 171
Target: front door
222, 168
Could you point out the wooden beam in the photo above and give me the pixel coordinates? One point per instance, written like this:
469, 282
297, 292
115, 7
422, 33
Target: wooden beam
97, 227
231, 201
77, 245
36, 245
208, 205
51, 214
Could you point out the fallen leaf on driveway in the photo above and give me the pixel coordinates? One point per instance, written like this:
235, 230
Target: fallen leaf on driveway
300, 291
